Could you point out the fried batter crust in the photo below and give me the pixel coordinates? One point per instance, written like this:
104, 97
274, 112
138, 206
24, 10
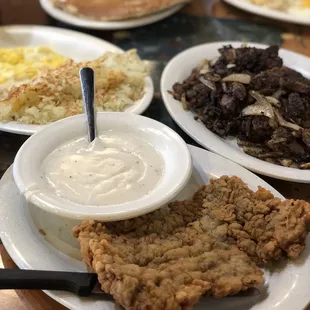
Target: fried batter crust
205, 246
263, 226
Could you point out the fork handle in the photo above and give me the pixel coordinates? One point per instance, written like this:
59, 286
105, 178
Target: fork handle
74, 282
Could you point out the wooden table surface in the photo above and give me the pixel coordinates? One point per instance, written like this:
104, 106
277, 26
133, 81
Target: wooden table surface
296, 38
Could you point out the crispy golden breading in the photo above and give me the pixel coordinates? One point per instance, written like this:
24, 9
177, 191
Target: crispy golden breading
206, 246
166, 260
263, 226
114, 9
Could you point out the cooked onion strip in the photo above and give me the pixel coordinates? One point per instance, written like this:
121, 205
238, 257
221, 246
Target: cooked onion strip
207, 83
261, 107
238, 77
212, 77
286, 162
213, 61
204, 67
258, 109
305, 166
185, 104
275, 102
278, 93
284, 123
259, 97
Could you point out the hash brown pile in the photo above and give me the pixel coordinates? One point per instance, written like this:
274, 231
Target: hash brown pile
56, 93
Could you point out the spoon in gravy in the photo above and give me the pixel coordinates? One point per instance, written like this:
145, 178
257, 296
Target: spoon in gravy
88, 94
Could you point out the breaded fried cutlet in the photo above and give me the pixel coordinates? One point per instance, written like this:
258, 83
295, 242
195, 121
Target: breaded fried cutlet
263, 226
209, 246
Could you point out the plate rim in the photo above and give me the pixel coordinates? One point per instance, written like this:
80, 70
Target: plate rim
30, 28
66, 298
269, 13
287, 174
107, 25
29, 129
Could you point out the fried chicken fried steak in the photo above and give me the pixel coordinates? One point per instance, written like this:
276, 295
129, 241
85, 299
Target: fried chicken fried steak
209, 245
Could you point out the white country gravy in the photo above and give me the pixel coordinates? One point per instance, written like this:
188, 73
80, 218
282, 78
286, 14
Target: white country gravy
115, 168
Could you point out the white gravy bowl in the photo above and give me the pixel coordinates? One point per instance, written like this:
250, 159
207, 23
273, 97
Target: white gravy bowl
177, 165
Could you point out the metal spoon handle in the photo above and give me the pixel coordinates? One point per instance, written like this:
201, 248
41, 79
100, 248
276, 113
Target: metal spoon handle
88, 93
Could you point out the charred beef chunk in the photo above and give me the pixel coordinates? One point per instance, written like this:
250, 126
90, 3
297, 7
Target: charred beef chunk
268, 82
284, 141
228, 56
218, 118
300, 85
198, 95
216, 96
257, 60
247, 60
228, 53
255, 129
223, 127
270, 59
213, 118
230, 127
178, 90
306, 138
209, 116
232, 101
228, 104
305, 122
219, 103
294, 107
239, 91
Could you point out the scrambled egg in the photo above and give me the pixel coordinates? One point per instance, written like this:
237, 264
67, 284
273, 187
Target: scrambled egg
301, 8
295, 7
306, 3
19, 65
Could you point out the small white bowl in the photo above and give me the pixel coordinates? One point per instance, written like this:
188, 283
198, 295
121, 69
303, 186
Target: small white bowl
174, 151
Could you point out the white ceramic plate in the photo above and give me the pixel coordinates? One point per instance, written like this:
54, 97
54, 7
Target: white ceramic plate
274, 14
85, 48
106, 25
284, 289
179, 69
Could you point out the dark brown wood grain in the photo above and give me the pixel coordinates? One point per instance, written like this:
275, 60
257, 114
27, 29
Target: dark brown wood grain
23, 299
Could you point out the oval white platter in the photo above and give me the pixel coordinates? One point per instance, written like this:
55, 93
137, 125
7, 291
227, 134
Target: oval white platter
180, 67
266, 12
106, 25
72, 44
285, 288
